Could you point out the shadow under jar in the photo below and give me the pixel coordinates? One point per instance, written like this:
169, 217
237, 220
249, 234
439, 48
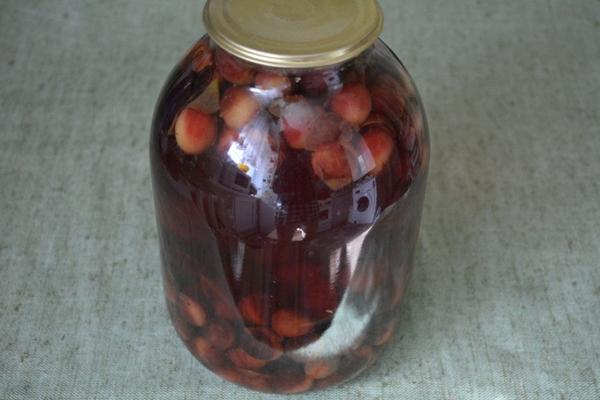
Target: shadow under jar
289, 153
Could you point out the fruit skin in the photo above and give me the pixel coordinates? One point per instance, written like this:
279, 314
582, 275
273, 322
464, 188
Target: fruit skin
251, 379
182, 327
233, 69
222, 302
256, 346
377, 119
252, 355
263, 343
329, 163
381, 145
239, 107
306, 288
320, 369
288, 323
352, 103
240, 358
253, 310
297, 387
195, 131
191, 310
228, 136
220, 334
314, 83
306, 127
205, 352
320, 82
268, 80
200, 56
296, 119
389, 97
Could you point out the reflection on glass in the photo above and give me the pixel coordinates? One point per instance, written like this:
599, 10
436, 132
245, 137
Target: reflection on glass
288, 204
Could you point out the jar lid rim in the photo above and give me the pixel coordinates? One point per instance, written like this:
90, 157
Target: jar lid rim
298, 34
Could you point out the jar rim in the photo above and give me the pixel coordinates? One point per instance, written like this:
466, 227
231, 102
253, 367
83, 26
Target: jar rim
299, 34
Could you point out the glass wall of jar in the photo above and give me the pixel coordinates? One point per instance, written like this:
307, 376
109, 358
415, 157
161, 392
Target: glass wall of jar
288, 203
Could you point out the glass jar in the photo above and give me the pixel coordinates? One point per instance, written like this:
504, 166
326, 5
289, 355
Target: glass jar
289, 153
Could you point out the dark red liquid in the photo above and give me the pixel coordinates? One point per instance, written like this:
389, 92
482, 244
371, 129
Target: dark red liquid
284, 268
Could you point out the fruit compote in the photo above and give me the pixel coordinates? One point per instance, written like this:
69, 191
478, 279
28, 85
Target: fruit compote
288, 206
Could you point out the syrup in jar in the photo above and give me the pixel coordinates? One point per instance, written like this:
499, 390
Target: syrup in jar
288, 197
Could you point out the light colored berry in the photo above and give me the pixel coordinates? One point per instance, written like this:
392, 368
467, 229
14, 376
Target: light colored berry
254, 309
194, 131
233, 69
320, 369
330, 163
239, 106
240, 358
267, 80
307, 127
288, 323
352, 103
380, 145
191, 310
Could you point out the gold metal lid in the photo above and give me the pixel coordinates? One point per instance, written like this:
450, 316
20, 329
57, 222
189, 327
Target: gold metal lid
294, 33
